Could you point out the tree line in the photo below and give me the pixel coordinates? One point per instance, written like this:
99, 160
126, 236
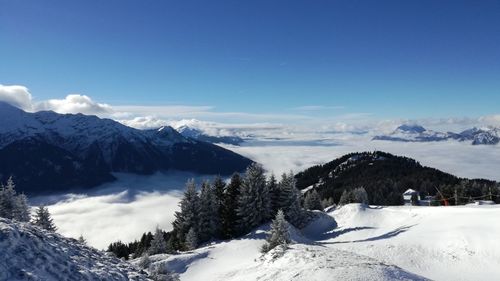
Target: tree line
219, 210
15, 206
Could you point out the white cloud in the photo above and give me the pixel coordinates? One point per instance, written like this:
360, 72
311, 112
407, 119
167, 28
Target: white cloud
75, 104
491, 120
16, 95
146, 122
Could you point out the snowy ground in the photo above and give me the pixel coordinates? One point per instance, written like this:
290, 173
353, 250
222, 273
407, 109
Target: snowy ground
30, 253
375, 243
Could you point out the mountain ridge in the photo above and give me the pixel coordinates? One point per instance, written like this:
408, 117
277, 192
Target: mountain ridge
46, 151
417, 133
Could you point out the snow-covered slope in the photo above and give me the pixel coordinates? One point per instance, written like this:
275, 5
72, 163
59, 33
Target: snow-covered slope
441, 243
416, 133
30, 253
307, 260
361, 243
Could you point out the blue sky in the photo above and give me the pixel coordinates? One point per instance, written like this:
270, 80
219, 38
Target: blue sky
393, 59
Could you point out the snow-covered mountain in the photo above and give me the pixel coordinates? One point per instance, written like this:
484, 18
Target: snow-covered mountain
198, 134
31, 253
49, 150
416, 133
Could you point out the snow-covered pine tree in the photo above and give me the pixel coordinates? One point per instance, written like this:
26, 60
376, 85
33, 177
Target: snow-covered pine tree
253, 202
289, 200
312, 201
230, 205
158, 244
8, 199
325, 203
82, 240
208, 214
187, 217
21, 210
274, 193
219, 186
191, 239
359, 195
145, 261
158, 272
279, 235
43, 219
345, 198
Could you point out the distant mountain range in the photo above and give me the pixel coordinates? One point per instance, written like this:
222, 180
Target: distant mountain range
198, 134
416, 133
46, 151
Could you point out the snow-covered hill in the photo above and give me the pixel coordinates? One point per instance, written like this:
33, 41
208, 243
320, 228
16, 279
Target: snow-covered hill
416, 133
46, 149
241, 260
30, 253
361, 243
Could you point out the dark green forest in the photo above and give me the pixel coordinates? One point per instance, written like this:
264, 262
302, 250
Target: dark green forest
385, 177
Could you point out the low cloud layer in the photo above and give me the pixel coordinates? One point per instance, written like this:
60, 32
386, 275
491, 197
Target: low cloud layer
122, 210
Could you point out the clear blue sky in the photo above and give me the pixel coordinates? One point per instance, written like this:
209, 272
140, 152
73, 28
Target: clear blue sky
391, 58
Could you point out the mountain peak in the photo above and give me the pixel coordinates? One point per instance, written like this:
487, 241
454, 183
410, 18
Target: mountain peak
411, 128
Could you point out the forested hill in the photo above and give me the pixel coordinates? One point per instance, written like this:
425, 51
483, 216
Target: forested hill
385, 177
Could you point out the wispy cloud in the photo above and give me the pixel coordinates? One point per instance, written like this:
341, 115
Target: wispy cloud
318, 107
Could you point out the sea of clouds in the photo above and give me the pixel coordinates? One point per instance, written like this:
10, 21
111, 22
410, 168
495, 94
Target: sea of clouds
125, 209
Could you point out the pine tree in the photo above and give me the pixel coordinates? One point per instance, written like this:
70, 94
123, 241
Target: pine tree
191, 239
359, 195
145, 261
289, 200
44, 220
219, 187
8, 199
158, 244
22, 209
253, 202
208, 214
187, 217
312, 201
274, 194
345, 198
82, 240
280, 234
325, 203
229, 209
